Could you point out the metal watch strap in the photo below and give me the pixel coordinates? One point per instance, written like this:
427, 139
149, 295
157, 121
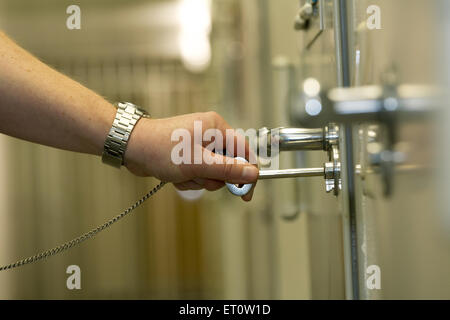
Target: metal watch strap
116, 142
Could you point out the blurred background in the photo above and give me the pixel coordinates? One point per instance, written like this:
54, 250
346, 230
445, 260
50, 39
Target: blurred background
245, 60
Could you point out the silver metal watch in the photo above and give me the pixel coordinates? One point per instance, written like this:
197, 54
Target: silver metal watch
116, 142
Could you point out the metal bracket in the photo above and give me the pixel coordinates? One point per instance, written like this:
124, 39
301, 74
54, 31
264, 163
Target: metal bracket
333, 181
304, 15
382, 104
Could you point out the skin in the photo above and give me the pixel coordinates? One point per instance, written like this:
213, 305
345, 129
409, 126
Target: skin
41, 105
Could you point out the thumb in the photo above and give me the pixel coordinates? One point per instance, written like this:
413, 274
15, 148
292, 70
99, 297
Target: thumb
219, 167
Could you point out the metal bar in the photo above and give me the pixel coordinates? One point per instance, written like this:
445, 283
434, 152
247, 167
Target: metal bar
343, 72
301, 139
291, 173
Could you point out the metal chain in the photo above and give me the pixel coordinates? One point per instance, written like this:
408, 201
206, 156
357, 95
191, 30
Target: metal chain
80, 239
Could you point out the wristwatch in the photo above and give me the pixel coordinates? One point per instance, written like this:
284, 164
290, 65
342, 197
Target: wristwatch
116, 142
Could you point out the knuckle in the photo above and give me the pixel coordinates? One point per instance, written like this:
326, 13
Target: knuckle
210, 185
228, 170
214, 116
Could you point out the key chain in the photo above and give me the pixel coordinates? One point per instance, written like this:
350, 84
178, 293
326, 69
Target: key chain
70, 244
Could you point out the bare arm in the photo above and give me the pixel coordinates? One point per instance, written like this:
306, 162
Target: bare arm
41, 105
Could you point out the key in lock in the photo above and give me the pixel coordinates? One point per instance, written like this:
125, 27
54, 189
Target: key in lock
296, 139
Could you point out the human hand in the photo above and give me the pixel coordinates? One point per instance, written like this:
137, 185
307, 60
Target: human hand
150, 151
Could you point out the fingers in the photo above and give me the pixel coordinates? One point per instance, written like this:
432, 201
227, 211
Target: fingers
216, 168
234, 142
223, 168
198, 183
188, 185
249, 195
210, 184
236, 145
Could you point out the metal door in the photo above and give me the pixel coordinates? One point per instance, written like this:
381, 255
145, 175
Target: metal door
394, 239
401, 234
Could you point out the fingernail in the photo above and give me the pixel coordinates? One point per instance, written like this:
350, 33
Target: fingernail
249, 173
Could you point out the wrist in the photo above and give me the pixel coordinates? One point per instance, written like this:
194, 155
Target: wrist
107, 118
117, 141
139, 145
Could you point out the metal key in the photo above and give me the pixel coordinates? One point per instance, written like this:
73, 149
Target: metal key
325, 172
291, 173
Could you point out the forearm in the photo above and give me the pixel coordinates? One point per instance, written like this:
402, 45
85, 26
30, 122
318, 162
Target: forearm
39, 104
